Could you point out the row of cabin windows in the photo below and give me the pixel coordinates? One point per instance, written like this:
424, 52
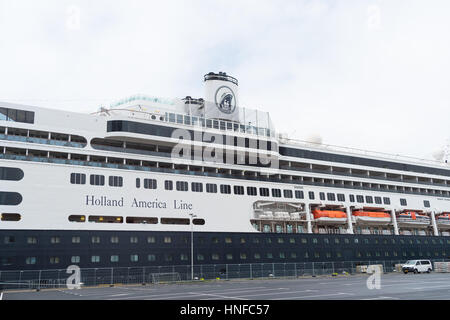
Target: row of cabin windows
16, 115
116, 181
136, 220
242, 240
244, 256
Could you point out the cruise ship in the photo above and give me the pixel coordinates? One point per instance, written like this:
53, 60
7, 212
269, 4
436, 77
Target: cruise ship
130, 184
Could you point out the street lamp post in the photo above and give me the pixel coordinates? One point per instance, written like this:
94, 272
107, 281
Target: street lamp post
192, 245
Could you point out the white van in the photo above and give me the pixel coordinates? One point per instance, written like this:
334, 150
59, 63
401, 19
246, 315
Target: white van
417, 266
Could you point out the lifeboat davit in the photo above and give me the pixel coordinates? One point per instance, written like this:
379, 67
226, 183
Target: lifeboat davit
329, 216
371, 217
443, 220
411, 217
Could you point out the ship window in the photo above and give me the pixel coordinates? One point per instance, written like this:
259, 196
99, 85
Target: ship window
114, 239
311, 195
115, 258
264, 192
151, 257
95, 239
360, 199
299, 194
9, 239
134, 239
77, 178
331, 197
426, 203
95, 259
75, 259
403, 202
142, 220
150, 184
115, 181
198, 222
252, 191
211, 188
97, 180
10, 217
55, 240
77, 218
138, 183
11, 174
10, 198
351, 198
322, 195
180, 221
276, 193
238, 190
15, 115
378, 200
151, 239
168, 185
369, 199
182, 186
167, 240
31, 240
105, 219
76, 239
54, 260
225, 188
30, 260
197, 187
287, 193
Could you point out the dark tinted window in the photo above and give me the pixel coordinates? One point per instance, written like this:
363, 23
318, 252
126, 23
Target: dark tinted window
197, 187
211, 188
252, 191
225, 188
276, 193
264, 192
299, 194
238, 190
150, 184
10, 198
182, 186
97, 180
12, 174
287, 193
77, 178
168, 185
115, 181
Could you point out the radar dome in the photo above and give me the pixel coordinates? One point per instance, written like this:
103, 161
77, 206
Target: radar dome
314, 138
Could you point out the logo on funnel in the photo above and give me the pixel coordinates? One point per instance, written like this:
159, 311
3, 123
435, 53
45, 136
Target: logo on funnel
225, 100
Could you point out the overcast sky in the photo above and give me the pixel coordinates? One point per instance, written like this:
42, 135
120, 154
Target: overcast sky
370, 74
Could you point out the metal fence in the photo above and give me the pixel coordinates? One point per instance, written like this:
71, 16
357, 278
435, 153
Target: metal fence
57, 278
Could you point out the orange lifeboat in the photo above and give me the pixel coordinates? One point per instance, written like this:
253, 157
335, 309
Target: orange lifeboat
413, 217
330, 216
374, 217
443, 218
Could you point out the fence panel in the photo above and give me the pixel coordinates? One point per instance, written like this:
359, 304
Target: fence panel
41, 279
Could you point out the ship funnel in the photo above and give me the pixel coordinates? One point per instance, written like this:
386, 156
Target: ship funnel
221, 96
